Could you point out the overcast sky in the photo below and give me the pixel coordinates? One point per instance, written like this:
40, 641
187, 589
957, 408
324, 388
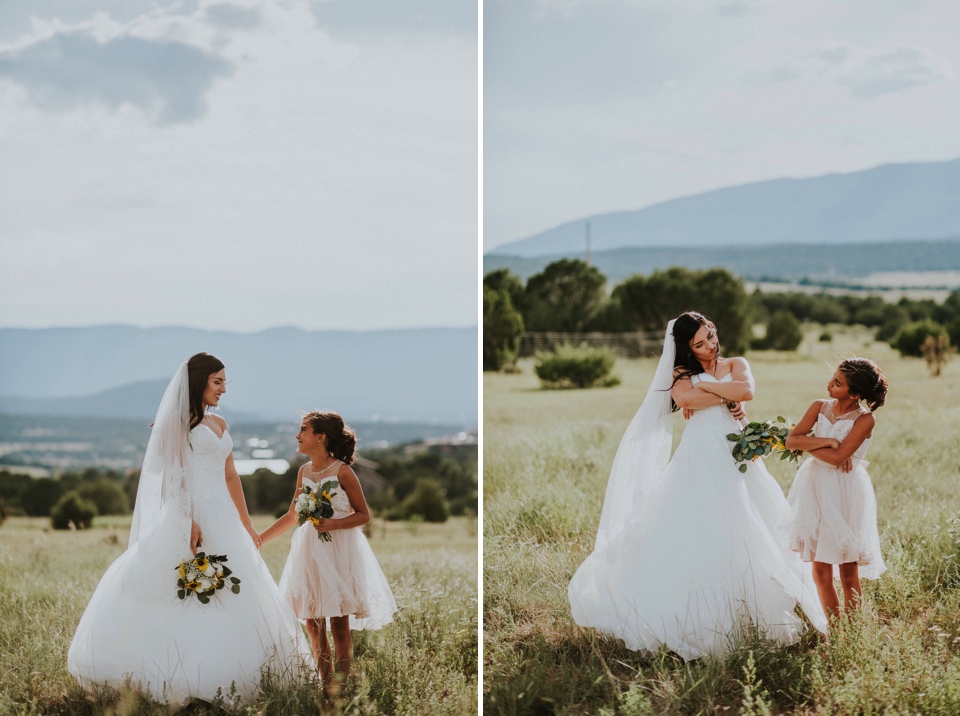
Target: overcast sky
593, 106
238, 165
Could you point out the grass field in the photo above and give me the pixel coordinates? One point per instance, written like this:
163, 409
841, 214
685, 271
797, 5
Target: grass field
423, 663
547, 455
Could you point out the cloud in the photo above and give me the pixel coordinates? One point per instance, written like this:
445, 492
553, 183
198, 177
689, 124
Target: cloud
358, 17
864, 75
233, 17
889, 72
166, 79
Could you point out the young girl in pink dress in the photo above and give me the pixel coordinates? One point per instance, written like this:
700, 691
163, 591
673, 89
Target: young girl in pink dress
834, 510
339, 578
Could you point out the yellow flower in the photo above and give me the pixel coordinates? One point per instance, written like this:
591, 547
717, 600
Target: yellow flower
326, 494
202, 564
183, 570
314, 520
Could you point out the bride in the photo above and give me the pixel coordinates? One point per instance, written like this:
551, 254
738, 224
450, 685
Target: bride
189, 496
689, 551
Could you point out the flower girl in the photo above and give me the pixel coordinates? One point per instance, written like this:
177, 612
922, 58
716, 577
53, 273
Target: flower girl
331, 570
833, 506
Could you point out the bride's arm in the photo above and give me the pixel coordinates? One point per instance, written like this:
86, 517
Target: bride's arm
235, 488
739, 389
691, 397
287, 520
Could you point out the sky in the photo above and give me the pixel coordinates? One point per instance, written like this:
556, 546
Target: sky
239, 165
595, 106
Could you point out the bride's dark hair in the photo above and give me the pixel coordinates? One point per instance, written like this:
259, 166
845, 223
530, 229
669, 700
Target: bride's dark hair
199, 368
685, 364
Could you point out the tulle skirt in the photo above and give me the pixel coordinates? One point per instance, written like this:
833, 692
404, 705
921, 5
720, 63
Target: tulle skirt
704, 559
135, 626
833, 517
337, 578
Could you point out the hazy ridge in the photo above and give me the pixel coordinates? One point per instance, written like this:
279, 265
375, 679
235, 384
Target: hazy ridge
427, 374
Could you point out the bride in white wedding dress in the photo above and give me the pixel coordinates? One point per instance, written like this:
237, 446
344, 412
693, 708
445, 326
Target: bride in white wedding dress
690, 552
189, 496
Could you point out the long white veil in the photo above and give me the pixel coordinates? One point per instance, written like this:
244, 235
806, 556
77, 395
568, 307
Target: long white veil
163, 485
643, 453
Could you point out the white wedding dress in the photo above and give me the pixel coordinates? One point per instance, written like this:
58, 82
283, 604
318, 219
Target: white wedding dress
703, 556
135, 626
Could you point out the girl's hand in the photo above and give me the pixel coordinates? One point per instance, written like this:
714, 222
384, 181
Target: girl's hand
255, 537
324, 524
847, 465
835, 444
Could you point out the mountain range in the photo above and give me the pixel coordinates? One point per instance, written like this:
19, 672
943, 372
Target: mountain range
417, 375
893, 202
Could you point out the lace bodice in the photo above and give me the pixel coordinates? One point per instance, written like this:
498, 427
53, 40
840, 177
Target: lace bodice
339, 500
830, 426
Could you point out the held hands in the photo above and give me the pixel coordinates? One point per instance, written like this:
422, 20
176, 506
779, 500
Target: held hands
257, 541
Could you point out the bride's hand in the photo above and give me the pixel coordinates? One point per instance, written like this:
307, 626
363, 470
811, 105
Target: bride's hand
687, 413
738, 412
255, 536
196, 537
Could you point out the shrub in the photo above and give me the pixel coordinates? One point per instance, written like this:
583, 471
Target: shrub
426, 500
784, 332
909, 340
72, 508
826, 337
106, 495
40, 496
569, 367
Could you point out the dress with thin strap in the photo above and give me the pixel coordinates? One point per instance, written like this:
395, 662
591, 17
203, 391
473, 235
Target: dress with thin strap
834, 513
337, 578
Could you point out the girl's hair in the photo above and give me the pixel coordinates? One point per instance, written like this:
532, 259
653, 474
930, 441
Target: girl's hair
865, 380
341, 440
199, 369
685, 327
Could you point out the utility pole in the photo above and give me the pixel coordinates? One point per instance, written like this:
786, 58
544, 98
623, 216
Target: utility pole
588, 242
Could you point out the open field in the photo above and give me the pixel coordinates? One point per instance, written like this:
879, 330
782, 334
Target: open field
423, 663
547, 455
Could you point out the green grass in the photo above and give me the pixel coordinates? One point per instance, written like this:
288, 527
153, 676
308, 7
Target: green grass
423, 663
547, 455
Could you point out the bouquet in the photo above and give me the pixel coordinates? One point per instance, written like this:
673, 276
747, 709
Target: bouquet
314, 503
760, 439
204, 576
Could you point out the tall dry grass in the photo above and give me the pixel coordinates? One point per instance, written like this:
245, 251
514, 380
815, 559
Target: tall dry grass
547, 455
423, 663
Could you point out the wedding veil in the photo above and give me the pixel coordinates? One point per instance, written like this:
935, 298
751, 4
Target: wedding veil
163, 477
644, 450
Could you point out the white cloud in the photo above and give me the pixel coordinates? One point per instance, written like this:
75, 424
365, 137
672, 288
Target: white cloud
318, 165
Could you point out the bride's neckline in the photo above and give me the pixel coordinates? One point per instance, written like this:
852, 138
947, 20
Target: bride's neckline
217, 436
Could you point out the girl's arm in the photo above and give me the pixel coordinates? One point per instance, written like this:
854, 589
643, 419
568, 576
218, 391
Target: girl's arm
739, 389
862, 429
288, 520
361, 514
798, 438
235, 488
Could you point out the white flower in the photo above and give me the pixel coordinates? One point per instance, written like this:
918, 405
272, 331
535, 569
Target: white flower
209, 571
205, 585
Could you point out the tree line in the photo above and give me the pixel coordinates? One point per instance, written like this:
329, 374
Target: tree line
571, 296
431, 483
